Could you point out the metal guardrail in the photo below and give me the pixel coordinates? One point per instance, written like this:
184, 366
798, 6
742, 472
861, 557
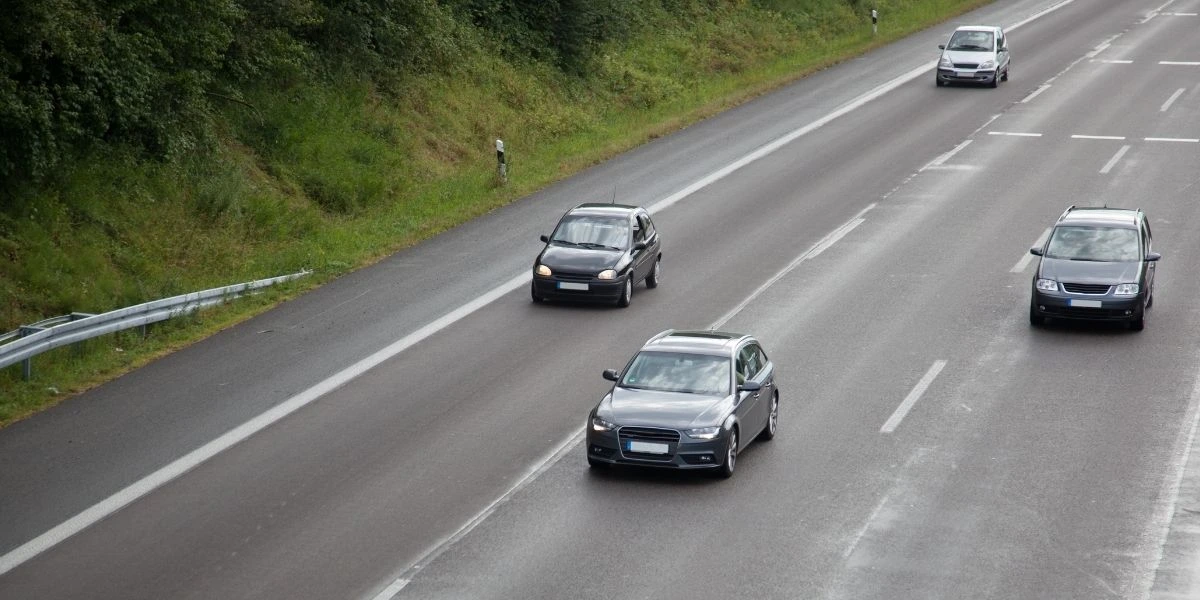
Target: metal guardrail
31, 340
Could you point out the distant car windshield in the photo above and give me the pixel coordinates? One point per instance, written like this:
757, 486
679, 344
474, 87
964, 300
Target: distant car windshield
1101, 244
971, 41
679, 372
593, 231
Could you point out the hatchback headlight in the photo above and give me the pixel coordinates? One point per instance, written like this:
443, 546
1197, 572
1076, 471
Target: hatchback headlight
945, 63
1047, 285
607, 274
703, 433
1126, 289
543, 270
987, 64
601, 425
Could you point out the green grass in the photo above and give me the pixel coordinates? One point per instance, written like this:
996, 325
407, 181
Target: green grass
334, 177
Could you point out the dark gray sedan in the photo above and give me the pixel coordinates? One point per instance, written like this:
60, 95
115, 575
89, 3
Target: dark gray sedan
687, 400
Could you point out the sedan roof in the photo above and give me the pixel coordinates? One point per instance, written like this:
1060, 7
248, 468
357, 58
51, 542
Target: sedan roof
1104, 217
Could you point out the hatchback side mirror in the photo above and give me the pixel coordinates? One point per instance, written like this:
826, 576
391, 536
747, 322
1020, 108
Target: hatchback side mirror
611, 374
544, 238
1152, 256
1036, 251
639, 246
941, 46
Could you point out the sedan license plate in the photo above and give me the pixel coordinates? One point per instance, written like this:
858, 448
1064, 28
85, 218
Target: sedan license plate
647, 447
1084, 303
570, 285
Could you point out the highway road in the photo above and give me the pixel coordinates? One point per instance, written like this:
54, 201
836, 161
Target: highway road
411, 430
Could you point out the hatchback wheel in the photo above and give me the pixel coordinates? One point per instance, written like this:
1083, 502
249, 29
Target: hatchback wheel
768, 432
655, 275
731, 450
626, 293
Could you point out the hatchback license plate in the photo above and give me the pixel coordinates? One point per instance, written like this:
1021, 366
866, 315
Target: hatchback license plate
569, 285
647, 447
1084, 303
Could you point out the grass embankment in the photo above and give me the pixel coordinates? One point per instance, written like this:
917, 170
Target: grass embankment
334, 177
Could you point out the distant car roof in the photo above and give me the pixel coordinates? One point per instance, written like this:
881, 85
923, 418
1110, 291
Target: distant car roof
597, 208
700, 342
977, 28
1101, 216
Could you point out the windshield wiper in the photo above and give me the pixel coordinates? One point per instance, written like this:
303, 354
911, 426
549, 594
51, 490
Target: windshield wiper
597, 245
567, 242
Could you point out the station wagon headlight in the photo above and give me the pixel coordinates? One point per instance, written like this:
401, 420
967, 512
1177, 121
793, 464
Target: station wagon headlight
703, 433
601, 425
945, 63
543, 270
1126, 289
607, 274
987, 64
1047, 285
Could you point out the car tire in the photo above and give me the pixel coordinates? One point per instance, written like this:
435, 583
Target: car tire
1150, 300
533, 294
938, 80
995, 81
1034, 318
768, 432
1138, 323
626, 292
655, 274
1005, 77
725, 471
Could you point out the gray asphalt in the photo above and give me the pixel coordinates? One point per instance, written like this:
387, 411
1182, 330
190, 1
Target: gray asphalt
1040, 463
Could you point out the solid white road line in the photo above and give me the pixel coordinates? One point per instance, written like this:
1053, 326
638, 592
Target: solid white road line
1028, 258
1184, 140
1112, 162
912, 397
937, 162
1182, 63
1097, 137
1167, 105
1014, 134
1034, 93
1113, 62
866, 525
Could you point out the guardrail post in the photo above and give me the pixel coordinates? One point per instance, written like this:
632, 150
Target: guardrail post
27, 364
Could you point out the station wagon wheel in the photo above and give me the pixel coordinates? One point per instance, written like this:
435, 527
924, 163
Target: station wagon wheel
655, 275
626, 292
1139, 323
1034, 318
768, 432
731, 449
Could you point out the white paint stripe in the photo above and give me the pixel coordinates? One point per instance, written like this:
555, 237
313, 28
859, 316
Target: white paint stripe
1034, 93
1179, 14
951, 168
1155, 12
1028, 258
912, 397
815, 250
1180, 63
866, 525
1184, 140
1097, 137
937, 162
1167, 105
1112, 162
1014, 134
1114, 62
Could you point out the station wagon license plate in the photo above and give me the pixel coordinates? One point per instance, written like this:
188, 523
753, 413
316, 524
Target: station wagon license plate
647, 447
570, 285
1084, 303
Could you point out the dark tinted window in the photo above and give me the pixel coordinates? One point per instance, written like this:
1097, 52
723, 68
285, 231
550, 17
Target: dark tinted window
1103, 244
678, 372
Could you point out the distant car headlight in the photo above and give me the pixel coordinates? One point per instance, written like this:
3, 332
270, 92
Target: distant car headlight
601, 425
704, 433
945, 63
607, 274
1126, 289
987, 64
1047, 285
543, 270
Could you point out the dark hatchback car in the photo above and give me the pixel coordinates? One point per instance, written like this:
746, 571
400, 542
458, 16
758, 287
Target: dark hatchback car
598, 252
687, 400
1097, 264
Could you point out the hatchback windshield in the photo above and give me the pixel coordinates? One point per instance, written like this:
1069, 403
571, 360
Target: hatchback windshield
679, 372
1102, 244
972, 41
593, 232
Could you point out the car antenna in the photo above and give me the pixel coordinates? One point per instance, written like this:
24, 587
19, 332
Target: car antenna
614, 196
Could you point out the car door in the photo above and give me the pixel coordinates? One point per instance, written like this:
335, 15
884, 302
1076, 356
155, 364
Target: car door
1147, 248
765, 377
749, 406
641, 263
1001, 51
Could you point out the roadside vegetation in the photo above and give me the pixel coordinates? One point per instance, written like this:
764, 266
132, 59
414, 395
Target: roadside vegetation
152, 149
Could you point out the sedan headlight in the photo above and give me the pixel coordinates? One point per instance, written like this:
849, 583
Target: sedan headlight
543, 270
987, 64
703, 433
945, 63
601, 425
1126, 289
607, 274
1047, 285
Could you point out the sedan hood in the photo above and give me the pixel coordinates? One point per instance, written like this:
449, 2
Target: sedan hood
1084, 271
959, 57
673, 410
580, 260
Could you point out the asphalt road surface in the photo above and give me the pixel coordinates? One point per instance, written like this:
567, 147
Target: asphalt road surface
411, 430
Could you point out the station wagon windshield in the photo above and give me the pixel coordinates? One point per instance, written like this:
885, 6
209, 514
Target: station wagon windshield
679, 372
1101, 244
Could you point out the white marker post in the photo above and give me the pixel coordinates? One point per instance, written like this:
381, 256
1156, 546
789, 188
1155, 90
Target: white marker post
501, 166
874, 22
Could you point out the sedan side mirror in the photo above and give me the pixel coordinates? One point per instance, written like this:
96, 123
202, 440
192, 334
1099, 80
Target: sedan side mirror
611, 374
1036, 251
1152, 256
544, 238
750, 386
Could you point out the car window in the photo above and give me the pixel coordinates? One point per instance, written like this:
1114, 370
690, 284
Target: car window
760, 357
1101, 244
593, 231
678, 372
971, 41
639, 232
647, 225
748, 364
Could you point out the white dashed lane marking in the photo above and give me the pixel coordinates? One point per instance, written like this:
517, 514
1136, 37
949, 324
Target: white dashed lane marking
1112, 162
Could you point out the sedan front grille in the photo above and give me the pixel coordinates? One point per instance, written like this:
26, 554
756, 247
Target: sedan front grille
649, 434
1098, 289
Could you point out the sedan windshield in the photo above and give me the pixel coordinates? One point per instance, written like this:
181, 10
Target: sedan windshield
592, 231
679, 372
1101, 244
971, 41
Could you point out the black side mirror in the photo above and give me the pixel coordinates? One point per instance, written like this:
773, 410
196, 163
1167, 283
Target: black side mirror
1036, 251
611, 374
639, 246
750, 386
941, 46
544, 238
1152, 256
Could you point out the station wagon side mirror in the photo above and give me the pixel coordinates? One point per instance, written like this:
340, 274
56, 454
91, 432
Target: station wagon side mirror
611, 374
941, 46
639, 246
750, 386
1036, 251
545, 238
1152, 256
